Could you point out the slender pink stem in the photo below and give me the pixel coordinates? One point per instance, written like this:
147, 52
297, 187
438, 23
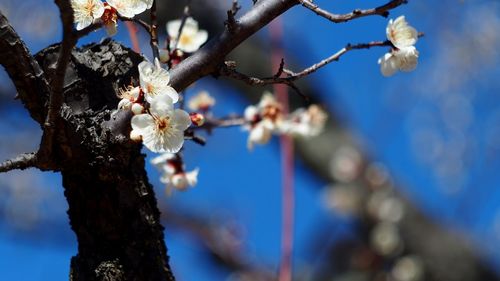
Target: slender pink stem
132, 32
288, 199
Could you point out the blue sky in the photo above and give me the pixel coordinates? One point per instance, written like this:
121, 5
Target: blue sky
436, 129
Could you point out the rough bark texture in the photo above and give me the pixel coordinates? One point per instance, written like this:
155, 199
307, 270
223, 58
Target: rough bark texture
112, 207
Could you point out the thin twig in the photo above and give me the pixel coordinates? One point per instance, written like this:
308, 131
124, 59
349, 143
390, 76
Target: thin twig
229, 69
153, 31
338, 18
20, 162
140, 22
185, 16
56, 99
231, 22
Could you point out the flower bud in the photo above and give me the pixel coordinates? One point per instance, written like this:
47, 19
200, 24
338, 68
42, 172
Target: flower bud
197, 118
137, 108
164, 55
135, 136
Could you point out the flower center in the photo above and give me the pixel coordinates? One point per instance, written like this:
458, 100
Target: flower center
272, 112
162, 124
150, 88
90, 7
185, 39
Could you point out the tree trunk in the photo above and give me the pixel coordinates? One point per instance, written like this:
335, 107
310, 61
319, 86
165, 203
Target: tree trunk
112, 207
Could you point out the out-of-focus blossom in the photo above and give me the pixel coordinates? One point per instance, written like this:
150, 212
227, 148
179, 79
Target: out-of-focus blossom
343, 199
305, 123
263, 119
191, 37
260, 133
408, 268
164, 55
86, 11
197, 118
173, 172
385, 239
162, 130
154, 81
203, 101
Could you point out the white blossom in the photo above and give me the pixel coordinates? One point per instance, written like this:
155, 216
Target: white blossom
263, 120
128, 97
404, 55
260, 133
400, 33
305, 123
130, 8
404, 59
162, 130
154, 81
173, 174
181, 181
191, 37
202, 101
86, 11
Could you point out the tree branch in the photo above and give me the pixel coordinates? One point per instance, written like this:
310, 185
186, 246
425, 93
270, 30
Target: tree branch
28, 77
208, 59
153, 31
56, 99
381, 10
229, 69
23, 161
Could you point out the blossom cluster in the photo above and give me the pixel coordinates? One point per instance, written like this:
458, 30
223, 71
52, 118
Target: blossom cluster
403, 56
156, 122
184, 34
267, 118
87, 12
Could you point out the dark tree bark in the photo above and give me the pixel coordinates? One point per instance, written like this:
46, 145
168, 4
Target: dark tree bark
112, 206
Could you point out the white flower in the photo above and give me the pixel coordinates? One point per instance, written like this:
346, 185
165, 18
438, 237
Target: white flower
202, 101
86, 11
130, 8
252, 114
191, 37
128, 97
264, 119
163, 129
161, 160
181, 181
260, 133
400, 33
306, 123
154, 81
404, 59
173, 174
404, 56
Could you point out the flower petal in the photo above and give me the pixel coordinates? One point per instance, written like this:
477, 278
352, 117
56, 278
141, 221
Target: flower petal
181, 119
142, 122
388, 64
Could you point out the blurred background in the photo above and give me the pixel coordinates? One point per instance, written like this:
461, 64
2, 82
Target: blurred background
402, 185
